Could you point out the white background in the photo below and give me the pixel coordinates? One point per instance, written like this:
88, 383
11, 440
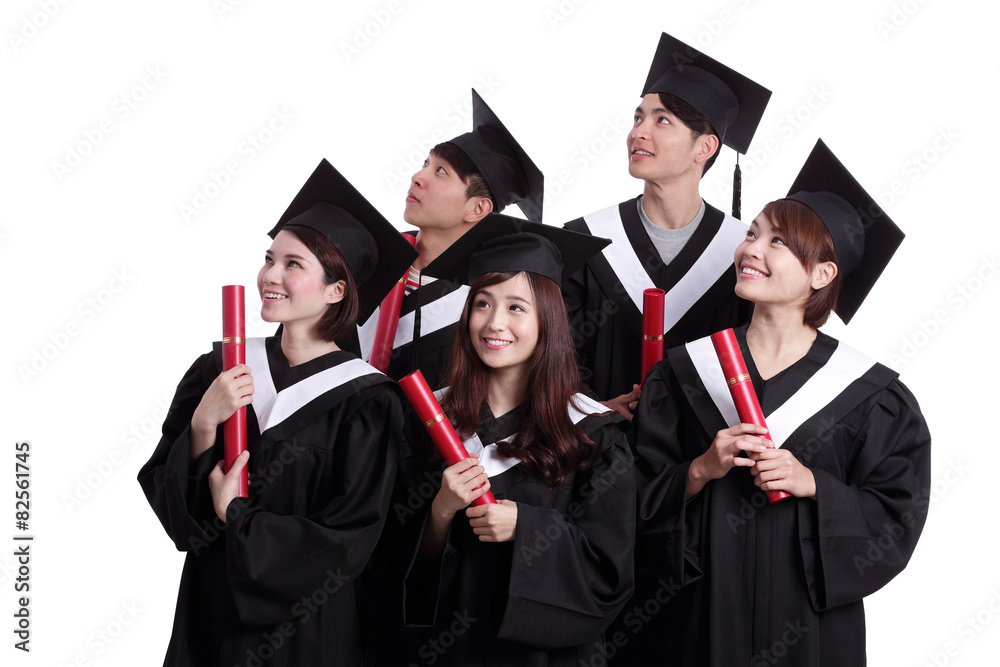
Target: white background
112, 290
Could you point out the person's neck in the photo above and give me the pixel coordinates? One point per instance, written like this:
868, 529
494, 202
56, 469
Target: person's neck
777, 338
671, 204
432, 242
506, 390
300, 346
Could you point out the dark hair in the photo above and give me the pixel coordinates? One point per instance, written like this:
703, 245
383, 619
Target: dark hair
810, 242
547, 441
466, 170
694, 120
339, 317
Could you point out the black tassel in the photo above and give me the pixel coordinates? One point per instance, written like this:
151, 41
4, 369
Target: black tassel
737, 187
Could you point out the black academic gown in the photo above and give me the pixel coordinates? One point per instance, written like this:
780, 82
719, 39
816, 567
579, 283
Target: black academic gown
428, 324
743, 582
546, 597
274, 585
604, 299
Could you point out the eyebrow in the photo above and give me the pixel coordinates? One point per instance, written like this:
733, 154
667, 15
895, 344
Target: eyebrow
287, 256
487, 293
638, 110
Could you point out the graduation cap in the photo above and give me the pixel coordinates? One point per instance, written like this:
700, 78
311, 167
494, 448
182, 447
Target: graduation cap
731, 102
864, 238
500, 243
375, 252
508, 171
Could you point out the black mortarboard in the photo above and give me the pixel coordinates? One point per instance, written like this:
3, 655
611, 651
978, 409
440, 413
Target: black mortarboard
375, 252
500, 243
864, 238
731, 102
510, 174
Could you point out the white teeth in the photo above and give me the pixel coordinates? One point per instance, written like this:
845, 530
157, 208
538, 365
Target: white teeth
752, 272
272, 295
494, 341
639, 151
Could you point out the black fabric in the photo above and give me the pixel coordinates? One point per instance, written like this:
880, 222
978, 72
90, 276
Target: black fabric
607, 325
748, 580
546, 597
276, 582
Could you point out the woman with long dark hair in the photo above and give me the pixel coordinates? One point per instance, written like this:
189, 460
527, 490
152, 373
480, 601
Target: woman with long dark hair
535, 578
269, 579
783, 582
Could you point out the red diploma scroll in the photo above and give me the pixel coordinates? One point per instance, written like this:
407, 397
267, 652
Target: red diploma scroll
741, 388
388, 320
652, 329
430, 413
233, 353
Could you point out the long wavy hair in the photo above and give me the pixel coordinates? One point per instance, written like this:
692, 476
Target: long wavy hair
546, 440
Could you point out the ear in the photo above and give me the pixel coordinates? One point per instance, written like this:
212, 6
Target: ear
477, 208
335, 292
823, 274
707, 145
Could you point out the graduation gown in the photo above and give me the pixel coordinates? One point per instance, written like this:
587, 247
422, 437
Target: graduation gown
751, 583
274, 584
604, 299
546, 597
428, 324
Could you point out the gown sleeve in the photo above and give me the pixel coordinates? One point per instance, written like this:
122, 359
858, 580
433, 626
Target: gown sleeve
175, 486
572, 570
862, 529
666, 522
277, 561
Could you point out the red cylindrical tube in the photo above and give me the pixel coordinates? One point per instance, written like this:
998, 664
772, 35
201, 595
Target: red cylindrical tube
388, 320
234, 353
741, 387
652, 329
430, 413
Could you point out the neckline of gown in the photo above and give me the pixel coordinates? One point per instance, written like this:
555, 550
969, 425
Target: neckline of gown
284, 375
774, 391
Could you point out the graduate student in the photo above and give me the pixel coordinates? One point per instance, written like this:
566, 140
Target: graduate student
668, 237
787, 579
461, 181
323, 433
536, 578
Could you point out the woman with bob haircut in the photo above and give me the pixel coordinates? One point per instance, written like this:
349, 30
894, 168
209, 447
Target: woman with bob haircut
783, 582
537, 577
270, 579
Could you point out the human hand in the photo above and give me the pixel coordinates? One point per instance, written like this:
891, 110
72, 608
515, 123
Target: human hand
226, 486
494, 522
229, 392
724, 454
460, 485
779, 470
626, 403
